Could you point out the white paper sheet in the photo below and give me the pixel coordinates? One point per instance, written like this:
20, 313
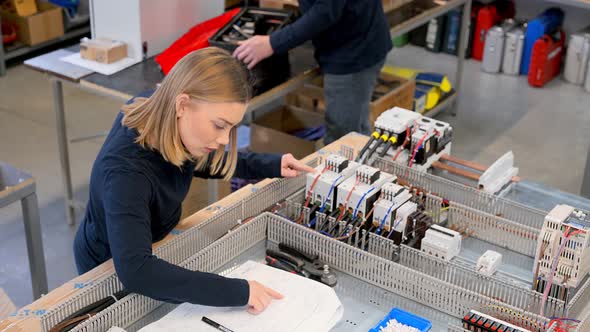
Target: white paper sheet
105, 69
307, 306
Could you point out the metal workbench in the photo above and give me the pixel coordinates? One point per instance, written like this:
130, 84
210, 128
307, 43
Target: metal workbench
432, 12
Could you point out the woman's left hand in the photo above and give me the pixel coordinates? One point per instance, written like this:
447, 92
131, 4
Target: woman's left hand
291, 167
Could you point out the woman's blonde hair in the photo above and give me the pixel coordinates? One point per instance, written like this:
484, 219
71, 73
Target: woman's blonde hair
208, 75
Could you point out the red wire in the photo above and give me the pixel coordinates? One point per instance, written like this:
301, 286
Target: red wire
356, 182
416, 149
310, 191
313, 185
576, 232
401, 148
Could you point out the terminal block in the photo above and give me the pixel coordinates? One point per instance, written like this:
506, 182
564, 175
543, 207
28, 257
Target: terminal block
477, 321
573, 261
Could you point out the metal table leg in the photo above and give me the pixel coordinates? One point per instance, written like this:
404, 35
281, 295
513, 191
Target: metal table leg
34, 244
465, 22
212, 191
2, 62
62, 143
17, 185
586, 180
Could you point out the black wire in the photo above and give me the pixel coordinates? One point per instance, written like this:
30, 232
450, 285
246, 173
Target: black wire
333, 214
337, 223
364, 149
372, 150
352, 224
386, 148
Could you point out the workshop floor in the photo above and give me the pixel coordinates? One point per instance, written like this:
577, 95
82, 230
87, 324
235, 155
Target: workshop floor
546, 128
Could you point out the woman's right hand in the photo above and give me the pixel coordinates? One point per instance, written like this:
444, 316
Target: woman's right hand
260, 297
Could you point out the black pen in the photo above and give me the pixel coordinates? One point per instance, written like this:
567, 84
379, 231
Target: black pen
215, 325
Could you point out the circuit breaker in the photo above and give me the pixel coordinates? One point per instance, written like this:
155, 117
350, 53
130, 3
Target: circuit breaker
415, 140
441, 242
366, 186
394, 208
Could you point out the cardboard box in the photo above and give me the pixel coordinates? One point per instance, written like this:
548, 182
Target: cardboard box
232, 3
401, 96
35, 29
389, 5
25, 7
278, 4
311, 96
197, 199
270, 132
102, 50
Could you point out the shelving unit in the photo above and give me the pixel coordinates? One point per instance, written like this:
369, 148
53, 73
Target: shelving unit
433, 9
442, 105
19, 49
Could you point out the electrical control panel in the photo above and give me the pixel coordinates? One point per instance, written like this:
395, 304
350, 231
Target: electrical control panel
394, 207
365, 185
326, 179
573, 257
441, 242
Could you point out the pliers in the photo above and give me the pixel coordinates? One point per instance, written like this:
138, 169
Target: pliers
306, 265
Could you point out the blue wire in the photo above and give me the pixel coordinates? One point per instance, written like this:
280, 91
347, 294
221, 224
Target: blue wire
284, 216
359, 203
329, 193
312, 222
397, 223
385, 217
390, 232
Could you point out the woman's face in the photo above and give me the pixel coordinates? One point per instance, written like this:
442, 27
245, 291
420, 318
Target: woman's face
205, 126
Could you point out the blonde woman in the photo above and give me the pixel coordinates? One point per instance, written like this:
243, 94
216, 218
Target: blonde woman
144, 170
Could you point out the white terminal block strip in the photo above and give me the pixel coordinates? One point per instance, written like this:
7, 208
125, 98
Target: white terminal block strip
336, 169
488, 263
574, 262
398, 122
394, 207
369, 181
441, 242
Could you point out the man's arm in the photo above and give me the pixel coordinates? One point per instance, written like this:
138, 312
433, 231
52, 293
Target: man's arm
322, 15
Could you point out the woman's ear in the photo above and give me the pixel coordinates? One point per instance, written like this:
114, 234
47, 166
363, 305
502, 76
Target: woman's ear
181, 104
